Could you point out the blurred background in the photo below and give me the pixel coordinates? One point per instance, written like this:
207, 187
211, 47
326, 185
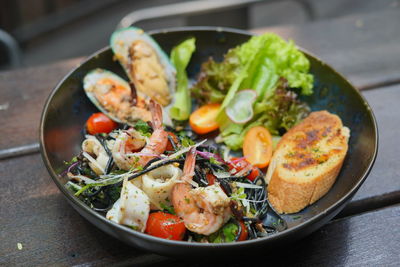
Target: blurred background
34, 32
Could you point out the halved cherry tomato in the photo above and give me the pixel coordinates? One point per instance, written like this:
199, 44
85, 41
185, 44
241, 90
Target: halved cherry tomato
210, 178
170, 147
165, 225
204, 119
100, 123
240, 164
257, 146
244, 234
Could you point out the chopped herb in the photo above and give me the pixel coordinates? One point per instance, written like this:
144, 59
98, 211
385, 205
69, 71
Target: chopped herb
238, 194
143, 128
214, 161
166, 208
139, 168
134, 227
117, 172
290, 154
73, 160
315, 149
187, 142
226, 234
114, 193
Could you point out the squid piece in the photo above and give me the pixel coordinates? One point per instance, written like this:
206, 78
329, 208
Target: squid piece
132, 208
92, 146
158, 184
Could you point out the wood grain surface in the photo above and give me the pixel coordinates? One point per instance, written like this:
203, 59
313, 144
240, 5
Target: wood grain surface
369, 57
34, 214
382, 186
22, 97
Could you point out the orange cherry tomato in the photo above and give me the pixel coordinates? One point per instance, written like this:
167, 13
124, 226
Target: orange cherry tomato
239, 165
204, 119
165, 225
170, 147
257, 146
100, 123
210, 178
244, 234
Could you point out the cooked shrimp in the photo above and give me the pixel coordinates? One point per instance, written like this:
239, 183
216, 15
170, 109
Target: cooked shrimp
131, 149
159, 138
126, 144
204, 210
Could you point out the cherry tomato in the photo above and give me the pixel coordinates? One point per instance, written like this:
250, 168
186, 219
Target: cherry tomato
165, 225
240, 164
244, 234
257, 146
170, 147
100, 123
204, 119
255, 172
210, 178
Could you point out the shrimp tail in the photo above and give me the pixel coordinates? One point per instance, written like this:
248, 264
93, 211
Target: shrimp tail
190, 162
156, 114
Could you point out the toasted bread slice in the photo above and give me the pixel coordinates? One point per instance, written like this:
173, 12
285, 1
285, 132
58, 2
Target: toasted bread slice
306, 162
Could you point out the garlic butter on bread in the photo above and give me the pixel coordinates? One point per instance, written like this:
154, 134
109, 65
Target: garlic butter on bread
306, 162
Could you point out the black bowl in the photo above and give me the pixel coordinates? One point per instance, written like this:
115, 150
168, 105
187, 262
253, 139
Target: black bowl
67, 109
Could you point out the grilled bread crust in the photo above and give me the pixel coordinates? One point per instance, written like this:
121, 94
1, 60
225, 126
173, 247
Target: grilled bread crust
306, 162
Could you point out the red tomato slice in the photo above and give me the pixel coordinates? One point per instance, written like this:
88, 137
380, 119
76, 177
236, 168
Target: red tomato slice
240, 164
100, 123
210, 178
204, 119
257, 146
165, 225
244, 234
170, 147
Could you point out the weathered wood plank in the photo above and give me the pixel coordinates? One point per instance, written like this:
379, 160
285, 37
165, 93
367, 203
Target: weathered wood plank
362, 47
35, 214
382, 187
363, 240
22, 97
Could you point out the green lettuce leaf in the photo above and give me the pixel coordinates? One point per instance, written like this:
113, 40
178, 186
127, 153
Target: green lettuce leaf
272, 67
257, 64
180, 57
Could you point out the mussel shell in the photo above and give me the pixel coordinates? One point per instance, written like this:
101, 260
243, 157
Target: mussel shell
91, 80
121, 41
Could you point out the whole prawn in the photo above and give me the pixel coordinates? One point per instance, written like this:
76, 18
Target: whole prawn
130, 145
159, 138
204, 210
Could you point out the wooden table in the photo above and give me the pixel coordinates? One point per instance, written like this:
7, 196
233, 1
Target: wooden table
35, 217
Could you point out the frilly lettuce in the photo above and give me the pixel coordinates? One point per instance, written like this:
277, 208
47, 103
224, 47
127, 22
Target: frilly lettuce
272, 67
